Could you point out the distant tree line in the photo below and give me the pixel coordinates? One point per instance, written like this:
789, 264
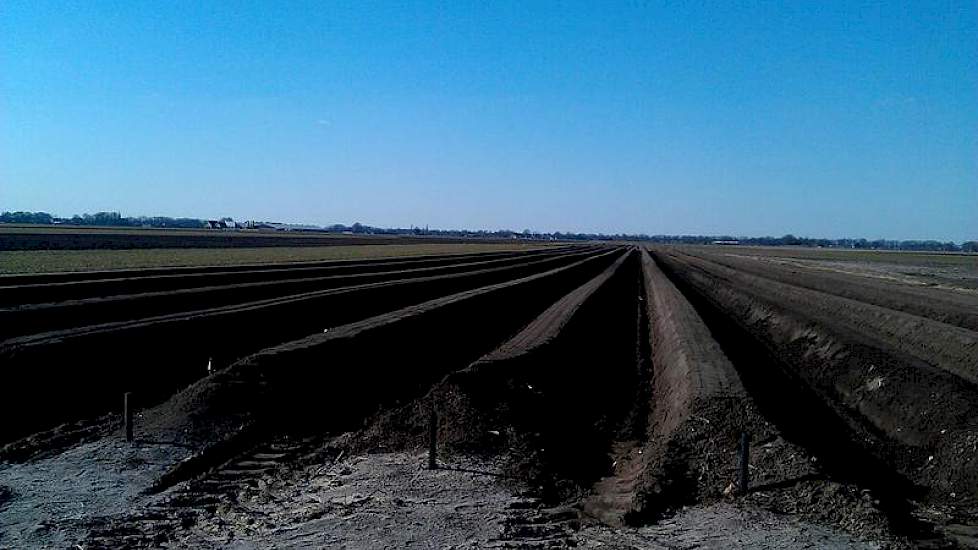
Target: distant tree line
26, 217
791, 240
104, 219
114, 219
787, 240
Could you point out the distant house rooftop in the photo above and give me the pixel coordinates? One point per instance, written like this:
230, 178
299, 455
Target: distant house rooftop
220, 224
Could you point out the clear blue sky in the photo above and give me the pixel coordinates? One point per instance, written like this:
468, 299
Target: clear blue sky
816, 118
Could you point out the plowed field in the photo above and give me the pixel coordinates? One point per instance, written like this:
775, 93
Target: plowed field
579, 396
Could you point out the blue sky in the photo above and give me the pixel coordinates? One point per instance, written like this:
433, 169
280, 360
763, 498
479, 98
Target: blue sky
747, 118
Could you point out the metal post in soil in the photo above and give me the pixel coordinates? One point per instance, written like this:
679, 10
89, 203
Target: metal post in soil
744, 462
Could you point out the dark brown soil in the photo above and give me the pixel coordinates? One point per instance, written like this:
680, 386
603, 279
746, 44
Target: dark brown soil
86, 369
876, 414
53, 287
540, 399
558, 405
282, 388
944, 305
898, 380
606, 386
700, 409
145, 297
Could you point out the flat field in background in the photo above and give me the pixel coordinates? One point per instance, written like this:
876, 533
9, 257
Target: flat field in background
45, 261
908, 257
56, 237
943, 269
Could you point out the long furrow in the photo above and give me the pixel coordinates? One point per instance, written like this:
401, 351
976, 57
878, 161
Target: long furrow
50, 316
941, 345
873, 415
153, 357
556, 399
613, 384
944, 305
699, 410
361, 366
54, 287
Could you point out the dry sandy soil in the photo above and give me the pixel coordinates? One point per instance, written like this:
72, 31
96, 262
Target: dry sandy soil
383, 500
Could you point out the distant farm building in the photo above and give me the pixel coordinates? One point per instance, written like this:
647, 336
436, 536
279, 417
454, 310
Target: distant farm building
726, 242
221, 224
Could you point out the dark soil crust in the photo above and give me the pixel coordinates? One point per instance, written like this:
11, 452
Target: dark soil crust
51, 315
700, 409
875, 415
550, 405
282, 389
85, 370
24, 279
551, 399
946, 347
53, 287
946, 306
621, 402
570, 438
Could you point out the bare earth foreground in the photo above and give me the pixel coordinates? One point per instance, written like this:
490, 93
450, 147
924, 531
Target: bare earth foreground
382, 500
583, 396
